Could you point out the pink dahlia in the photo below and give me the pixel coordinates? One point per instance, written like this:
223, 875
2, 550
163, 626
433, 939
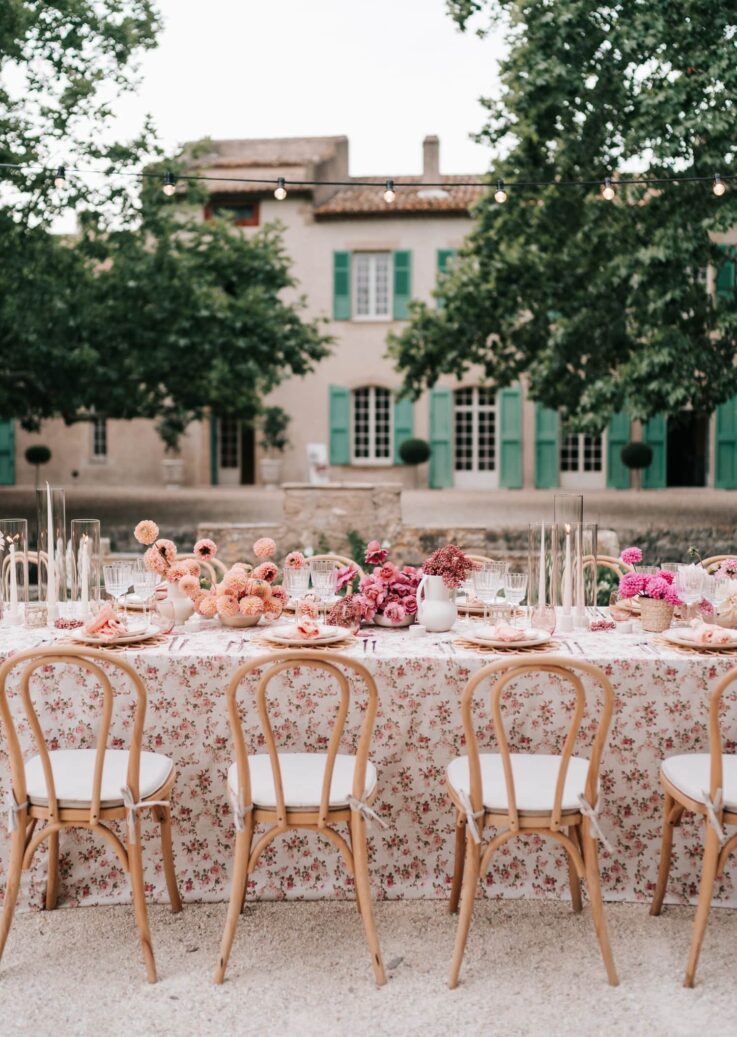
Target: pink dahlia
205, 548
207, 606
146, 532
666, 574
250, 606
167, 549
264, 547
266, 571
154, 561
273, 608
234, 582
279, 594
190, 586
656, 587
295, 560
178, 571
631, 584
375, 553
227, 605
310, 609
631, 556
258, 588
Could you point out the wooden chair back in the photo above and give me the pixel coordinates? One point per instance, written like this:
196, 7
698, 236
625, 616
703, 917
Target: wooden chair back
713, 563
615, 565
91, 661
273, 666
207, 567
28, 558
715, 732
502, 674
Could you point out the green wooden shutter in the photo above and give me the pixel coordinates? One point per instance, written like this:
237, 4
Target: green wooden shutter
403, 425
340, 425
441, 425
618, 435
725, 280
402, 284
7, 453
547, 447
510, 438
725, 469
341, 286
655, 433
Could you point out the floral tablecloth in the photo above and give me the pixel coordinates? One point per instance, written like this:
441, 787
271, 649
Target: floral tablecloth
661, 701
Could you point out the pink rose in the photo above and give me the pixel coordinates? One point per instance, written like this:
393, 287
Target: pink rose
394, 612
375, 553
410, 604
345, 576
388, 572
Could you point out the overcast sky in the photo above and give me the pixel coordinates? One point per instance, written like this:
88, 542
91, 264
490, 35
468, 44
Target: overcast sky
383, 72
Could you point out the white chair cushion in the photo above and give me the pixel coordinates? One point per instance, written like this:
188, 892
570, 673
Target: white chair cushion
690, 774
74, 771
302, 776
535, 778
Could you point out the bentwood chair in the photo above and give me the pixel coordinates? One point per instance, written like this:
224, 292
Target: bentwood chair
706, 784
313, 791
32, 558
83, 788
615, 565
713, 563
482, 559
523, 793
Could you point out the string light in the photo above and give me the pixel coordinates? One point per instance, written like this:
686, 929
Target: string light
390, 193
500, 195
607, 190
170, 185
719, 186
60, 179
281, 192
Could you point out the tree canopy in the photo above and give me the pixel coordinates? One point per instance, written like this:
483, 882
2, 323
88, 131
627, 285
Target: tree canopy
603, 304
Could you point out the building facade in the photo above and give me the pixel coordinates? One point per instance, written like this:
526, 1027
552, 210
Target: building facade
359, 261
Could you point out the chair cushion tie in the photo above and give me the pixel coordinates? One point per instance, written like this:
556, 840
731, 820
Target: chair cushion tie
14, 808
131, 807
593, 815
239, 813
366, 812
713, 811
471, 815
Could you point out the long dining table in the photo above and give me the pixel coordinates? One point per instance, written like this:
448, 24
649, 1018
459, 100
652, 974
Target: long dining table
660, 710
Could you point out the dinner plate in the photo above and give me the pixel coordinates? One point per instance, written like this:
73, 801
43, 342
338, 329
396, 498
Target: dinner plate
133, 603
685, 637
288, 635
531, 640
141, 633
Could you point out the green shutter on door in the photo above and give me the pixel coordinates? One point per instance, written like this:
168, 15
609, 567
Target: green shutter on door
618, 436
341, 286
402, 284
547, 447
7, 453
725, 473
725, 281
441, 425
340, 425
510, 438
403, 425
655, 433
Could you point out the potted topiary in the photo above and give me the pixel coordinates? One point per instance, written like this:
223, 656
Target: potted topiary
414, 452
273, 423
637, 456
38, 455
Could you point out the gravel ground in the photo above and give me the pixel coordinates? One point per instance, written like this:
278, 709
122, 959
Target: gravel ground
302, 968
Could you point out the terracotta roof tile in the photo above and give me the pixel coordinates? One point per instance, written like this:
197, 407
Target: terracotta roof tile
369, 201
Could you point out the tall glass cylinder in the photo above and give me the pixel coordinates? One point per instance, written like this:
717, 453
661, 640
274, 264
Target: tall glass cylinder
86, 565
540, 554
52, 561
14, 567
590, 563
568, 509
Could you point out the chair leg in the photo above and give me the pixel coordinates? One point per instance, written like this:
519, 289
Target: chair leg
237, 896
573, 879
52, 875
12, 885
135, 864
458, 862
163, 815
363, 893
593, 882
666, 848
470, 881
708, 874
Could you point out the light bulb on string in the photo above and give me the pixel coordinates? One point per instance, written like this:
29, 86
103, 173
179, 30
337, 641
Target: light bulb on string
389, 193
500, 195
170, 185
607, 190
719, 186
281, 192
60, 179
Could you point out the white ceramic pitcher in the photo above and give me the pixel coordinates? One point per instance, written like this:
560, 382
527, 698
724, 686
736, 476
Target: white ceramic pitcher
435, 610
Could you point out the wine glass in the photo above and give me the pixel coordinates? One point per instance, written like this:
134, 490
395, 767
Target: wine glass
689, 584
324, 579
716, 590
296, 582
118, 578
515, 588
144, 586
487, 580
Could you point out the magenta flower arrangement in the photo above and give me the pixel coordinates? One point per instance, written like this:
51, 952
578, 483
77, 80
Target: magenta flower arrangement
658, 585
451, 563
388, 590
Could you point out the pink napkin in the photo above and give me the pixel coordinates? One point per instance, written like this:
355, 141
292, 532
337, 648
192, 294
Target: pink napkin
308, 628
506, 632
709, 634
105, 624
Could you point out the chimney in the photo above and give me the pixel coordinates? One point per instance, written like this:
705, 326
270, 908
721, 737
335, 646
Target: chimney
431, 159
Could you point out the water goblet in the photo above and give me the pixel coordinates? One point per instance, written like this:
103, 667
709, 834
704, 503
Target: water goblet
689, 584
296, 582
144, 586
515, 588
118, 578
324, 579
486, 583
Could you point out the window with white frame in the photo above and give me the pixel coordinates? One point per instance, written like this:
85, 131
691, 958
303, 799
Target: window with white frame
475, 429
580, 452
372, 424
372, 285
99, 439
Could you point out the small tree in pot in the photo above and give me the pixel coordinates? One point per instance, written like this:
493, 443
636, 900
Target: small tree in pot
414, 452
637, 456
38, 455
274, 441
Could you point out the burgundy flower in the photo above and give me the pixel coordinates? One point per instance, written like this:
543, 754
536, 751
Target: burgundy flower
375, 553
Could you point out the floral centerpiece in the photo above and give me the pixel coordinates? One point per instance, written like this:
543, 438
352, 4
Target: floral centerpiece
655, 591
451, 563
387, 595
444, 572
243, 597
182, 575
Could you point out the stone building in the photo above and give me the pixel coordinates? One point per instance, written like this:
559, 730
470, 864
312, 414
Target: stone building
359, 261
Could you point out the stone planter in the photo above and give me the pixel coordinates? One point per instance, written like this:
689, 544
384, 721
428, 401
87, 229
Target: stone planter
173, 472
271, 472
655, 615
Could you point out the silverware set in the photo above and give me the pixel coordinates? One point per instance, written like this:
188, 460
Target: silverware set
366, 641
